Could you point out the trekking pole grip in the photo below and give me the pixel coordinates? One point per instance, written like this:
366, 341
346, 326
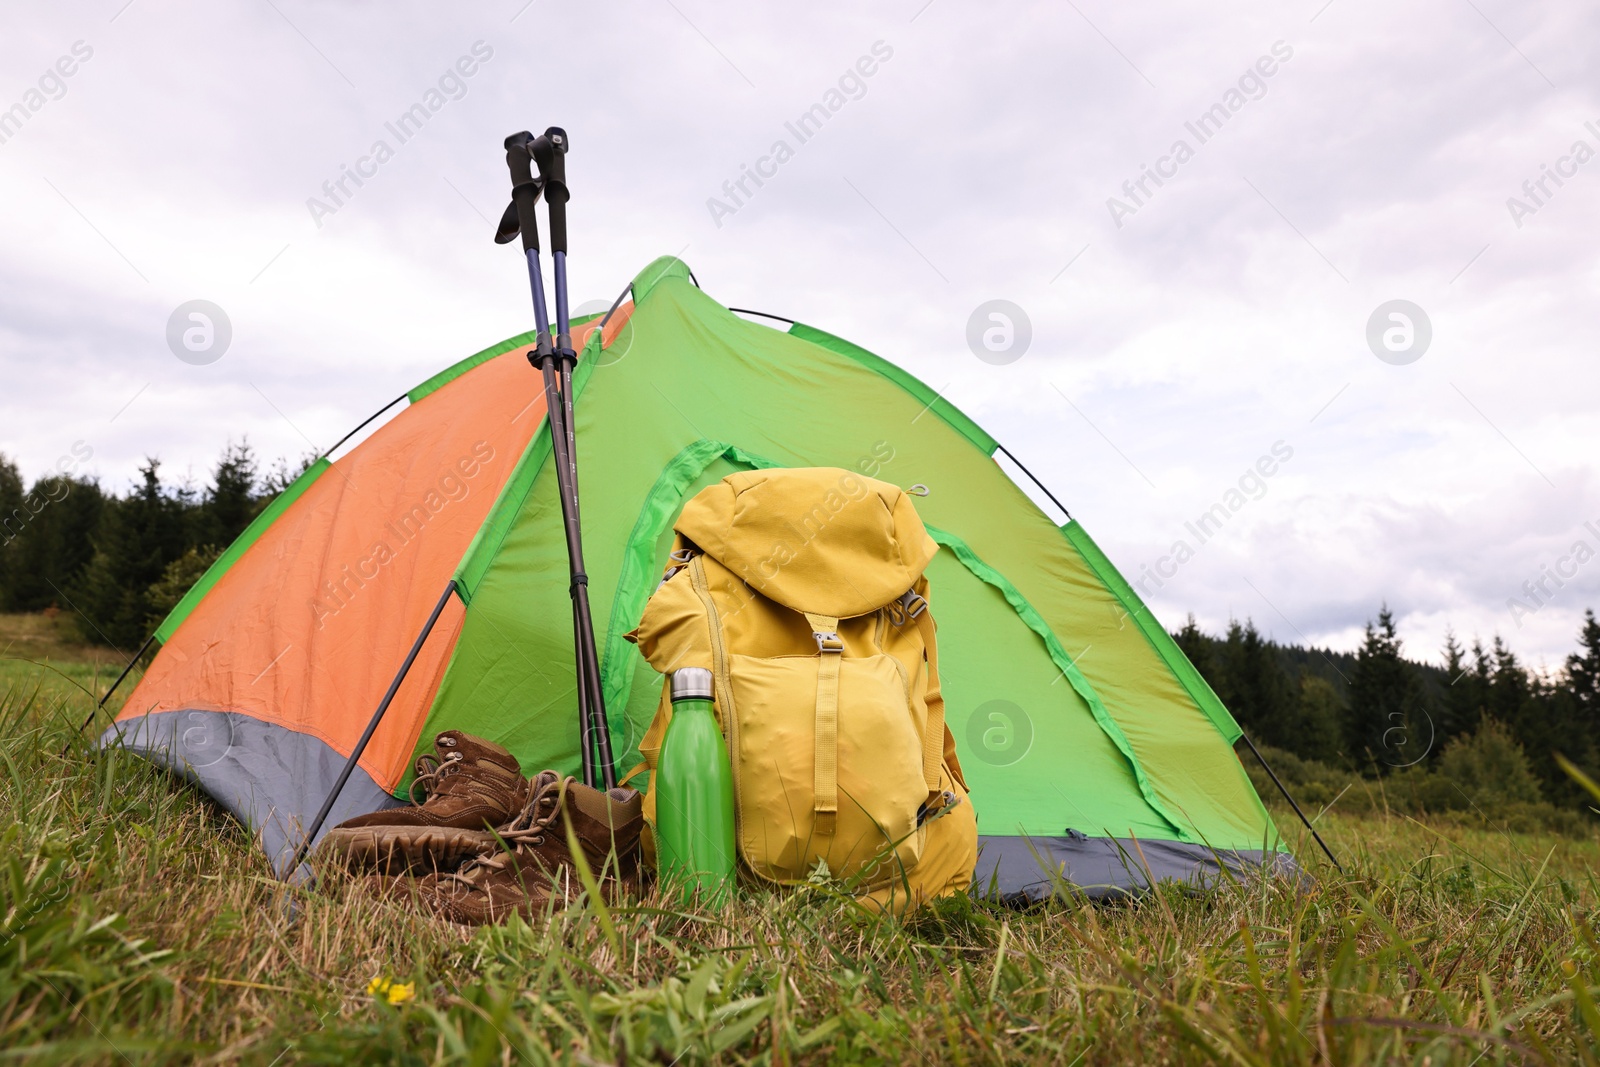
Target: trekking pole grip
524, 187
549, 151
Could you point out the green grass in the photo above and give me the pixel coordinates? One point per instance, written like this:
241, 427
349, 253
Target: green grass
44, 652
141, 925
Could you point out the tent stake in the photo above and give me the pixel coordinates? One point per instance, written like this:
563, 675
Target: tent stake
366, 735
1274, 776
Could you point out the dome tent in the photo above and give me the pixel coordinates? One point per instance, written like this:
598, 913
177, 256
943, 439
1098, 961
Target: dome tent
1095, 751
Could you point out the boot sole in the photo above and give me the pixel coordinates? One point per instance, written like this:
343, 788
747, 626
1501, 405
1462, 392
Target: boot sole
405, 849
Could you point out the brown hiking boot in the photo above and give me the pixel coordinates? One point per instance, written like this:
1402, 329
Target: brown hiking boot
472, 786
535, 867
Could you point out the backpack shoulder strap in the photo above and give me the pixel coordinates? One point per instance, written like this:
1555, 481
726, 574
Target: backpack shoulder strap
938, 744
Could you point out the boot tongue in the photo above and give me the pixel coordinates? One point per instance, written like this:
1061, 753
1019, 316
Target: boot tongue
609, 808
543, 799
589, 801
543, 779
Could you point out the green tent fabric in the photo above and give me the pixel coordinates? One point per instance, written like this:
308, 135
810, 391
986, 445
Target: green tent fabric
1088, 739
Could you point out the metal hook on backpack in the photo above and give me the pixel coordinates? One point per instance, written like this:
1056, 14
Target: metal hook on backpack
917, 489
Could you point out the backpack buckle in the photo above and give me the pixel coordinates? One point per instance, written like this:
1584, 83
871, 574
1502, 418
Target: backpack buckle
679, 560
934, 807
911, 604
828, 642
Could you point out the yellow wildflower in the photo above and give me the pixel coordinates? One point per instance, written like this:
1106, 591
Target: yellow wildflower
392, 991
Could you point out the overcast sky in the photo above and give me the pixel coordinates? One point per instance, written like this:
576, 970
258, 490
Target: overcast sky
1355, 154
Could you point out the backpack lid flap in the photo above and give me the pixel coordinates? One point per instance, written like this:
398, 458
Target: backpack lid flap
814, 539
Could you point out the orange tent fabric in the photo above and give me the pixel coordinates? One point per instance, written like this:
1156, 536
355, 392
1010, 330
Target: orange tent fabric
307, 628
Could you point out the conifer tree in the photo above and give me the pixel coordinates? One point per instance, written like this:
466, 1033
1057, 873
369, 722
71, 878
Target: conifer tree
1382, 722
1576, 729
138, 537
1319, 716
282, 475
231, 502
1197, 646
11, 495
1258, 688
53, 542
12, 519
1583, 675
1458, 711
1509, 690
1536, 711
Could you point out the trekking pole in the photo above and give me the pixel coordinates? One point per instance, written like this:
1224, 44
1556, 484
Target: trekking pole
521, 215
550, 153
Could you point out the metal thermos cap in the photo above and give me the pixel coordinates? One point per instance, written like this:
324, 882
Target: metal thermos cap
691, 683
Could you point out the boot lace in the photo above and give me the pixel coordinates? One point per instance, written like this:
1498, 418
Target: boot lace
432, 774
528, 829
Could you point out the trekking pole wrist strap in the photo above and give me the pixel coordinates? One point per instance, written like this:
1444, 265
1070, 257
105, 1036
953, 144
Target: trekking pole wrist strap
525, 188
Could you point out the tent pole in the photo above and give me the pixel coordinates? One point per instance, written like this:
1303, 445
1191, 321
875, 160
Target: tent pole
372, 726
125, 672
363, 425
1035, 481
1274, 776
616, 304
763, 314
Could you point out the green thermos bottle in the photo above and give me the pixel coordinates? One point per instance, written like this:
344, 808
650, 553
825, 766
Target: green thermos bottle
694, 793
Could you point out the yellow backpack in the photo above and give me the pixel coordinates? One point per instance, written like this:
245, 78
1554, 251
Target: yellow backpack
802, 591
